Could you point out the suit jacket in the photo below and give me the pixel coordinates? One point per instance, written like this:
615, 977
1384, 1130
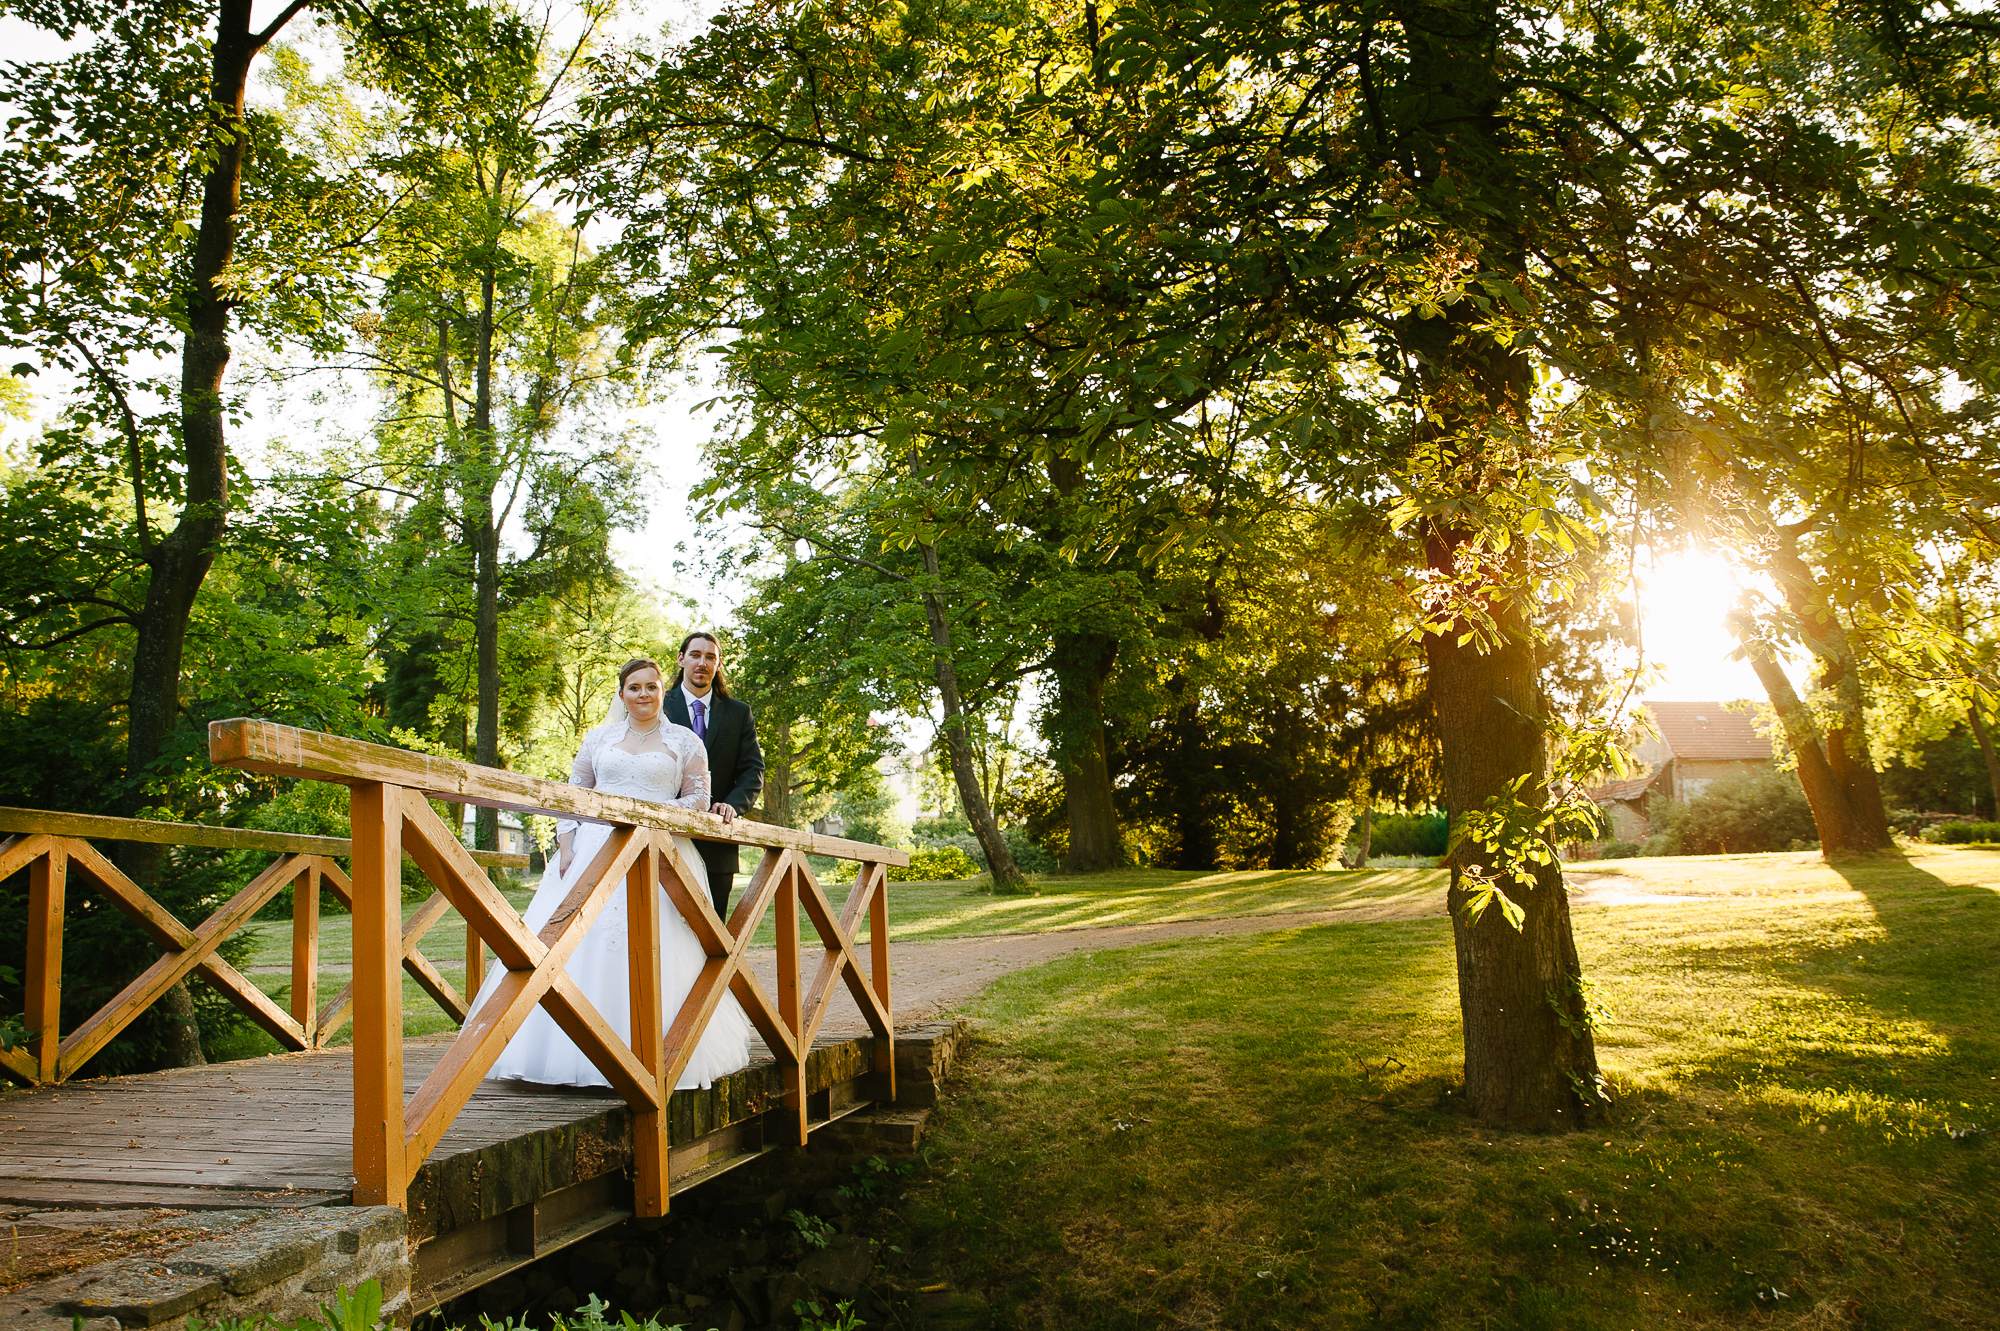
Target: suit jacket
735, 762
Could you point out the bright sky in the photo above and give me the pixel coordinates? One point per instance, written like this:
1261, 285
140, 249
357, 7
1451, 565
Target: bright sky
1684, 597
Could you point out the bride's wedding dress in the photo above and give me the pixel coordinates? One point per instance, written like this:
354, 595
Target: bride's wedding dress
539, 1051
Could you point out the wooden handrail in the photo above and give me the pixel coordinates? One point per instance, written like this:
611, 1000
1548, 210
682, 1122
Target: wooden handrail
265, 746
98, 827
390, 816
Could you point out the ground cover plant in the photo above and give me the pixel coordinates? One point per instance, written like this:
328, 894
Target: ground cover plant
1263, 1131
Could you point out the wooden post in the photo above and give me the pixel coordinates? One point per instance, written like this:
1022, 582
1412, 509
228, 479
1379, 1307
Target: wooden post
642, 935
379, 1176
475, 961
878, 964
787, 926
305, 951
48, 878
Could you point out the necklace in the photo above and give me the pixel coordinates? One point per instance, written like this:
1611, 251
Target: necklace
653, 729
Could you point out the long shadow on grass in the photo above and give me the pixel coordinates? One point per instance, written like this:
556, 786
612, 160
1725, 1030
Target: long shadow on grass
1901, 1013
1940, 960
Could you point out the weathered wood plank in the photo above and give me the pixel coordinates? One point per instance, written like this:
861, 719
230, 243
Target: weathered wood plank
264, 746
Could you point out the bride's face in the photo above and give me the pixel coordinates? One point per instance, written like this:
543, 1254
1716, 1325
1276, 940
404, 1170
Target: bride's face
641, 693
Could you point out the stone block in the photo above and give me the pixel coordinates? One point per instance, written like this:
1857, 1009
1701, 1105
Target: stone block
140, 1295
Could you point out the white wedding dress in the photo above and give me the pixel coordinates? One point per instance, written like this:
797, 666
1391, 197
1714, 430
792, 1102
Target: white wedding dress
539, 1051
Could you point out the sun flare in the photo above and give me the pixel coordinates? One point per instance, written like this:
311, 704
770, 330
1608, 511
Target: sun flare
1684, 599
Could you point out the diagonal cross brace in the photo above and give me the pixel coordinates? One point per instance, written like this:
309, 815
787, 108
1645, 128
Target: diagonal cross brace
535, 973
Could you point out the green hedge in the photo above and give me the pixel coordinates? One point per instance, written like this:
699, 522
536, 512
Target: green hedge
1962, 833
934, 864
1408, 834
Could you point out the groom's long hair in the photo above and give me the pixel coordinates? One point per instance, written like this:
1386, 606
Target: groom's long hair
718, 685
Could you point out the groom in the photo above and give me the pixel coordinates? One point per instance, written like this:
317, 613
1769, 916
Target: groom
700, 701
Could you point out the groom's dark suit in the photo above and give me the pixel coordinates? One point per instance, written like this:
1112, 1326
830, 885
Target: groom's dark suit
735, 776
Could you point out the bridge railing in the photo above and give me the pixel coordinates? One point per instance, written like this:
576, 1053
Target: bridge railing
389, 793
56, 850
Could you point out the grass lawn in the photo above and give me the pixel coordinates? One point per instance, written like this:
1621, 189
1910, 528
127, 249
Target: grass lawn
1261, 1131
961, 909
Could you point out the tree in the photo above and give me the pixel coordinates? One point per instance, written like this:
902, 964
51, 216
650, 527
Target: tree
493, 331
104, 174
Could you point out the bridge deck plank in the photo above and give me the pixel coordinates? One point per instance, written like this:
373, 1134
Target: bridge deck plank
270, 1131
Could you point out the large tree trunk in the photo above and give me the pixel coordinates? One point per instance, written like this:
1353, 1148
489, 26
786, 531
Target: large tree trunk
1194, 812
1530, 1061
1860, 820
485, 535
1983, 735
178, 562
1007, 876
1827, 795
1364, 834
1082, 664
779, 804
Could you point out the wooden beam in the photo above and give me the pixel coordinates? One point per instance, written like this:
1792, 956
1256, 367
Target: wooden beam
875, 878
541, 979
157, 833
794, 1071
186, 951
264, 746
381, 1173
840, 961
305, 950
642, 955
48, 878
17, 851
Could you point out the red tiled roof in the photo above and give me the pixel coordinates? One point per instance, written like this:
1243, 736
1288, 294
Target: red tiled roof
1709, 730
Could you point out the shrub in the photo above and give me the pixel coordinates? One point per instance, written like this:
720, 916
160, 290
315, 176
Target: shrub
1030, 855
1962, 833
934, 864
1618, 850
1755, 811
1408, 834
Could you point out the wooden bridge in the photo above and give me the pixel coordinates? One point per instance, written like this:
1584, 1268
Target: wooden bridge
488, 1173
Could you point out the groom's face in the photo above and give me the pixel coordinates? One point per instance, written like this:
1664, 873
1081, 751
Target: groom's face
699, 661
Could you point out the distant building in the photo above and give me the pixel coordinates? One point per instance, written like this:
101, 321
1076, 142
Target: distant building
514, 838
1698, 743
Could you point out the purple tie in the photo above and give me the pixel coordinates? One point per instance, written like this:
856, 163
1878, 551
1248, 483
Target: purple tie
700, 719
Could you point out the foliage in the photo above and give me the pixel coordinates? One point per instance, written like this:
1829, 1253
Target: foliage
1747, 812
930, 864
1409, 834
1962, 833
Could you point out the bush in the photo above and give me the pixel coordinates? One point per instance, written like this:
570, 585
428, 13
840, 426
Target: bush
1756, 811
1962, 833
1030, 855
1422, 834
1618, 850
934, 864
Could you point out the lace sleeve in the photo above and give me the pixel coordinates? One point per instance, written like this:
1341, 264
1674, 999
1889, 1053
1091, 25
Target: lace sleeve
582, 772
694, 771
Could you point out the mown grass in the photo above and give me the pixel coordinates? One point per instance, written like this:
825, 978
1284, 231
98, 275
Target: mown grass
964, 908
1263, 1130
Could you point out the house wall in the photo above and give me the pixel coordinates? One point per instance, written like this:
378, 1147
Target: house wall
1628, 822
1692, 776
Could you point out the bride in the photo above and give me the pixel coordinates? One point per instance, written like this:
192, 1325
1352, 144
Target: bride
636, 752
